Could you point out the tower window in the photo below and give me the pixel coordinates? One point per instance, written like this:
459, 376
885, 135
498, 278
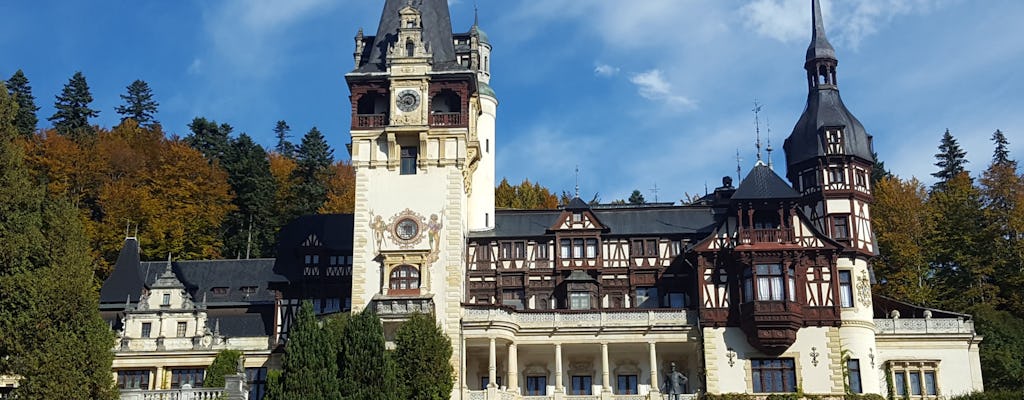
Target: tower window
410, 47
840, 227
147, 329
408, 160
845, 289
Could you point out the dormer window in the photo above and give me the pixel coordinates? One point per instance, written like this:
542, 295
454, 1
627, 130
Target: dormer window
577, 217
834, 141
167, 300
220, 291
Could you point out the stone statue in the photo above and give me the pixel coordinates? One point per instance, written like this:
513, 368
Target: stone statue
674, 384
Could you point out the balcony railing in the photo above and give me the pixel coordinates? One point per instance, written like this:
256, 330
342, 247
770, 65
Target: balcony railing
173, 394
576, 320
754, 236
370, 121
923, 326
446, 119
401, 307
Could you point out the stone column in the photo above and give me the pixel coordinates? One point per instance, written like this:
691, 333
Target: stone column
653, 357
462, 370
158, 378
606, 385
558, 369
492, 367
513, 368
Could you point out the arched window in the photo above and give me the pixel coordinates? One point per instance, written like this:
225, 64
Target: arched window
446, 101
410, 48
405, 279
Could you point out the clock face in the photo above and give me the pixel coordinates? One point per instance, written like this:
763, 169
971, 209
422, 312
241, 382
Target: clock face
407, 229
408, 100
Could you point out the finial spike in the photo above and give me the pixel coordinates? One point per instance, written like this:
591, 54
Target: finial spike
739, 169
577, 181
476, 14
768, 126
757, 128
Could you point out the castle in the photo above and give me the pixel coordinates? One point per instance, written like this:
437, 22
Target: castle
760, 287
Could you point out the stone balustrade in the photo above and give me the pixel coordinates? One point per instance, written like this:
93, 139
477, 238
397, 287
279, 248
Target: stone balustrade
898, 326
173, 394
503, 395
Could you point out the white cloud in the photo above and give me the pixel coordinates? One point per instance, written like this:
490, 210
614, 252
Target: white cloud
196, 67
605, 70
652, 85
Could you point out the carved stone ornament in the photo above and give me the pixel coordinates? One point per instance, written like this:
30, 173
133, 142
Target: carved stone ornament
864, 289
406, 228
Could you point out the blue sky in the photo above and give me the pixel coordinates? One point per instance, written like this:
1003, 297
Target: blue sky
637, 94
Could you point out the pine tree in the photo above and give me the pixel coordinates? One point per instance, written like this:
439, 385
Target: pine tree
369, 372
139, 104
1001, 155
961, 246
637, 198
250, 229
73, 112
423, 356
878, 171
26, 120
310, 361
313, 158
209, 138
282, 132
903, 226
1003, 192
951, 159
54, 338
223, 365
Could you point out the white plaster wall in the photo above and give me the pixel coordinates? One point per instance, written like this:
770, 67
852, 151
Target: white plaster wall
481, 200
737, 378
959, 368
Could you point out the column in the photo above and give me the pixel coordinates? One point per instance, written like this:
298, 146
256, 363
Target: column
492, 368
513, 368
558, 369
606, 385
653, 357
462, 369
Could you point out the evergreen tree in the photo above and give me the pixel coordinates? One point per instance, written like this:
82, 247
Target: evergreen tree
951, 159
504, 194
73, 112
53, 337
249, 230
26, 120
903, 226
1001, 361
223, 365
209, 138
1003, 193
369, 372
275, 389
313, 158
423, 356
960, 246
282, 132
1001, 155
310, 361
878, 171
138, 104
637, 198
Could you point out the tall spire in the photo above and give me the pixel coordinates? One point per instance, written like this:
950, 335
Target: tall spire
819, 48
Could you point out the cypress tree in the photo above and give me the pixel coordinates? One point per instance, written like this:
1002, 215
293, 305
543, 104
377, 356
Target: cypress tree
138, 104
637, 198
423, 356
313, 158
950, 159
53, 337
282, 132
249, 229
26, 120
223, 365
209, 138
73, 112
370, 372
310, 361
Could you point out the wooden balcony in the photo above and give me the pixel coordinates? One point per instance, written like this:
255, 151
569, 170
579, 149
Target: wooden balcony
369, 121
771, 326
762, 236
447, 119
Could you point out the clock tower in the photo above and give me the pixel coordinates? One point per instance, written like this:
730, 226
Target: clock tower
421, 142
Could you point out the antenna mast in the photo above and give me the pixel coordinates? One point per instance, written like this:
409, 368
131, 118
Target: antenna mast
577, 180
768, 125
757, 128
739, 170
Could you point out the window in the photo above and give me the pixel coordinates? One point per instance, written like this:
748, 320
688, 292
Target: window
579, 301
582, 385
930, 388
773, 375
836, 175
591, 248
505, 251
487, 145
748, 285
542, 251
644, 248
248, 290
483, 252
809, 180
860, 179
190, 376
677, 248
626, 384
769, 282
899, 382
331, 305
408, 160
915, 384
915, 378
791, 284
484, 380
536, 386
845, 289
577, 217
182, 327
853, 371
410, 48
519, 250
257, 380
133, 379
565, 246
577, 248
835, 141
513, 298
167, 300
147, 329
405, 278
220, 291
647, 297
840, 227
676, 300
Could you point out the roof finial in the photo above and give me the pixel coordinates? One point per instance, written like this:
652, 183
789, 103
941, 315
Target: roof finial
820, 47
768, 125
577, 180
739, 169
757, 129
476, 14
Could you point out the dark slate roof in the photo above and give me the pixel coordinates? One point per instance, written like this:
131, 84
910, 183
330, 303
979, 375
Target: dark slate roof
819, 47
125, 280
763, 183
577, 204
242, 324
334, 231
620, 221
826, 109
200, 277
437, 33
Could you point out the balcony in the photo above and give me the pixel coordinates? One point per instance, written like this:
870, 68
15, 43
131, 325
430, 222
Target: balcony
369, 121
185, 393
923, 326
761, 236
579, 321
447, 119
399, 307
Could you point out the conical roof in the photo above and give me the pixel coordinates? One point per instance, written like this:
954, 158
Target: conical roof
763, 184
437, 34
820, 47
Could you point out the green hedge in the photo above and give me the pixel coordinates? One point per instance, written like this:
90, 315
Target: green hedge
996, 395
